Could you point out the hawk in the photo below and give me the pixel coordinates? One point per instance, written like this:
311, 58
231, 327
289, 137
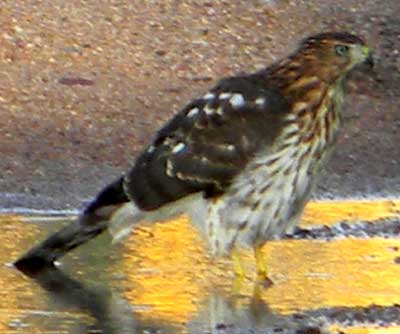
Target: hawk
241, 160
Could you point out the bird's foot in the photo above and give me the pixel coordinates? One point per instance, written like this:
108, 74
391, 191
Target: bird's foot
262, 274
238, 271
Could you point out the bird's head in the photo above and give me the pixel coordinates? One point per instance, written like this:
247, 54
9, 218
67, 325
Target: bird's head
333, 53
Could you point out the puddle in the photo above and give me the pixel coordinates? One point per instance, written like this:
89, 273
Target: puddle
161, 280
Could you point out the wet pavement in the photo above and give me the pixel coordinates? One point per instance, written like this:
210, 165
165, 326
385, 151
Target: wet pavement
338, 273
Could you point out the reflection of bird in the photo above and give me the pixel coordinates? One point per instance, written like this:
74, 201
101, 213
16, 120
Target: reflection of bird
241, 160
112, 314
220, 312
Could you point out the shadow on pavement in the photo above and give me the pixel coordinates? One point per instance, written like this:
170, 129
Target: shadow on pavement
112, 314
219, 312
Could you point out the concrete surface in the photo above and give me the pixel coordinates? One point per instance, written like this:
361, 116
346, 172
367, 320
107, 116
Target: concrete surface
84, 85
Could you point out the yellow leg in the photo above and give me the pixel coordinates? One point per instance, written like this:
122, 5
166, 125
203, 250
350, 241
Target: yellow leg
237, 264
239, 272
260, 262
262, 273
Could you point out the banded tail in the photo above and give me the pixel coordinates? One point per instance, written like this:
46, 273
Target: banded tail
93, 221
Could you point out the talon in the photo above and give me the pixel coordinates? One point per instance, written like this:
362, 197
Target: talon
262, 273
265, 281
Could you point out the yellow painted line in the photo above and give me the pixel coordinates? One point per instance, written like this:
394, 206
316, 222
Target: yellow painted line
19, 294
331, 212
347, 272
169, 267
15, 238
174, 272
365, 330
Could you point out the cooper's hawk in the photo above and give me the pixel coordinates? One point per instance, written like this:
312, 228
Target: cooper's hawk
241, 160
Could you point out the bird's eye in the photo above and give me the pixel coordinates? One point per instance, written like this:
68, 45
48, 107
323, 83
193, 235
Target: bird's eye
341, 50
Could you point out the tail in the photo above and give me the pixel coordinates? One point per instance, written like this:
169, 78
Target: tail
93, 221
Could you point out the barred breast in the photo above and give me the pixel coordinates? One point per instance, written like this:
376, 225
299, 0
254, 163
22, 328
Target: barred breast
267, 200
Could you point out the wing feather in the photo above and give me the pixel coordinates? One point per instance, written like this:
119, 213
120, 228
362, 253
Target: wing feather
205, 146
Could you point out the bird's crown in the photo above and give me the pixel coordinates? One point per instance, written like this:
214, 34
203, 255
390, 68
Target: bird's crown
329, 37
339, 50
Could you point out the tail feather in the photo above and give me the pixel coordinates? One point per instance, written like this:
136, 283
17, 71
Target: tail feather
59, 244
92, 222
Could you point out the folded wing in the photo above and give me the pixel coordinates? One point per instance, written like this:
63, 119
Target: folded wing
206, 145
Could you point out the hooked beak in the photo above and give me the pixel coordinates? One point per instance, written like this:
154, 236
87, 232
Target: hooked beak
369, 60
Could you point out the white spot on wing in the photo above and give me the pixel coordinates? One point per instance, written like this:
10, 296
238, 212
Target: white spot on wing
169, 170
220, 111
260, 101
208, 96
208, 110
151, 149
193, 112
224, 96
291, 117
178, 148
237, 100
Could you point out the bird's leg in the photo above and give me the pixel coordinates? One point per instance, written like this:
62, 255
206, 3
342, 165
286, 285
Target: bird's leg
262, 274
239, 272
260, 262
237, 264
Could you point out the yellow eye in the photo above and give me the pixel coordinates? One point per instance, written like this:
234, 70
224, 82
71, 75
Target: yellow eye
342, 50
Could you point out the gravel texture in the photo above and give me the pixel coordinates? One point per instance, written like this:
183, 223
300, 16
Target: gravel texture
84, 85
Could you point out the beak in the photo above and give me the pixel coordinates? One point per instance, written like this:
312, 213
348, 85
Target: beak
369, 61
